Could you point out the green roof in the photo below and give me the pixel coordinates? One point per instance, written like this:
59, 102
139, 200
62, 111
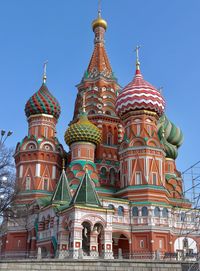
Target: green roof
85, 193
62, 193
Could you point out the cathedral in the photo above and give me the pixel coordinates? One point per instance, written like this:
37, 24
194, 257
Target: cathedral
117, 191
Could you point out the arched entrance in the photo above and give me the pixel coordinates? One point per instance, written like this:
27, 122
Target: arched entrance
86, 231
185, 246
120, 245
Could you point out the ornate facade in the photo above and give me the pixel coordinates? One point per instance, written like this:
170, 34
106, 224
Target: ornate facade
117, 189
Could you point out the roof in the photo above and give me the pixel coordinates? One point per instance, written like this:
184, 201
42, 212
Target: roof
86, 193
62, 193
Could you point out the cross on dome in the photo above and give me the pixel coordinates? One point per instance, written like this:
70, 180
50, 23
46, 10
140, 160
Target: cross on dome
137, 58
45, 71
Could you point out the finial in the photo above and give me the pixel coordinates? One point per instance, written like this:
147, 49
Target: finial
45, 72
83, 106
137, 58
99, 8
63, 163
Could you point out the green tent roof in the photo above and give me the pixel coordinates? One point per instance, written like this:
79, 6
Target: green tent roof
85, 193
62, 193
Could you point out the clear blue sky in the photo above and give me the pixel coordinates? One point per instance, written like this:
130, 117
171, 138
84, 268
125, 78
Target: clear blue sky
60, 31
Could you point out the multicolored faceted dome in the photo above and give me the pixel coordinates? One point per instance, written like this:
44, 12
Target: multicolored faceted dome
139, 94
171, 137
42, 102
83, 130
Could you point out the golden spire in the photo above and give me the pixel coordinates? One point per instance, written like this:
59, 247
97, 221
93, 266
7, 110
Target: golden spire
137, 58
63, 163
99, 21
45, 72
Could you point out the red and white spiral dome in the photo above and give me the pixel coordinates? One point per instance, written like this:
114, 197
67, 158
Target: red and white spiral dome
139, 95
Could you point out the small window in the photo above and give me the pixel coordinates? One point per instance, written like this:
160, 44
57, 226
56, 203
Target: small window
183, 217
103, 172
36, 131
149, 129
120, 211
169, 168
154, 178
109, 139
112, 176
138, 129
79, 152
138, 178
111, 207
135, 211
45, 131
157, 212
28, 183
165, 212
45, 184
160, 243
144, 211
141, 243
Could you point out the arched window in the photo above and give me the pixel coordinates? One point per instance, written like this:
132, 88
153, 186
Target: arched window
103, 172
108, 113
111, 207
157, 212
45, 184
112, 176
183, 217
91, 112
109, 139
120, 211
165, 212
135, 211
144, 211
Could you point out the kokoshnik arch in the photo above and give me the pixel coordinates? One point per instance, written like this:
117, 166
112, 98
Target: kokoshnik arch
116, 188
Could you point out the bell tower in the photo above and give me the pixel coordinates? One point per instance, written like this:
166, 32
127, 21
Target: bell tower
38, 156
101, 89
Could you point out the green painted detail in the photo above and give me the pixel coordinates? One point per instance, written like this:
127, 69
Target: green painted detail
106, 190
145, 186
85, 193
170, 136
62, 193
54, 242
82, 163
35, 192
42, 202
170, 176
146, 139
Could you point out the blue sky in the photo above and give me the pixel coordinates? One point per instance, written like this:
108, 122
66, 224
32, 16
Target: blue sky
60, 31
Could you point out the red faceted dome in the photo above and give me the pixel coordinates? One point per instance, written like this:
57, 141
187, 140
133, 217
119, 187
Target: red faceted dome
138, 95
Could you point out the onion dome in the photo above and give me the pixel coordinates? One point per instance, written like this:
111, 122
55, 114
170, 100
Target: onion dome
171, 137
99, 22
139, 94
42, 102
83, 130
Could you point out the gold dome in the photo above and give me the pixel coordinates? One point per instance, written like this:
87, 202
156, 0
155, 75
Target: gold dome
83, 130
99, 22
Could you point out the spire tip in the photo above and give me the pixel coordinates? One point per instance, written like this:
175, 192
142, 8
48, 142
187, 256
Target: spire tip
45, 72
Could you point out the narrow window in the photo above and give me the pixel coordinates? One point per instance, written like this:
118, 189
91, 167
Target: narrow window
154, 178
28, 183
120, 211
45, 131
109, 139
138, 178
135, 211
160, 243
36, 131
144, 211
157, 212
138, 129
45, 184
141, 243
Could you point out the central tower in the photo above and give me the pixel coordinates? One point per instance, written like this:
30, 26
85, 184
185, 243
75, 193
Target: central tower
101, 88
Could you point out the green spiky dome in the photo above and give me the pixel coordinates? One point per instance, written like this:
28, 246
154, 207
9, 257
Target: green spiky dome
82, 130
170, 135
